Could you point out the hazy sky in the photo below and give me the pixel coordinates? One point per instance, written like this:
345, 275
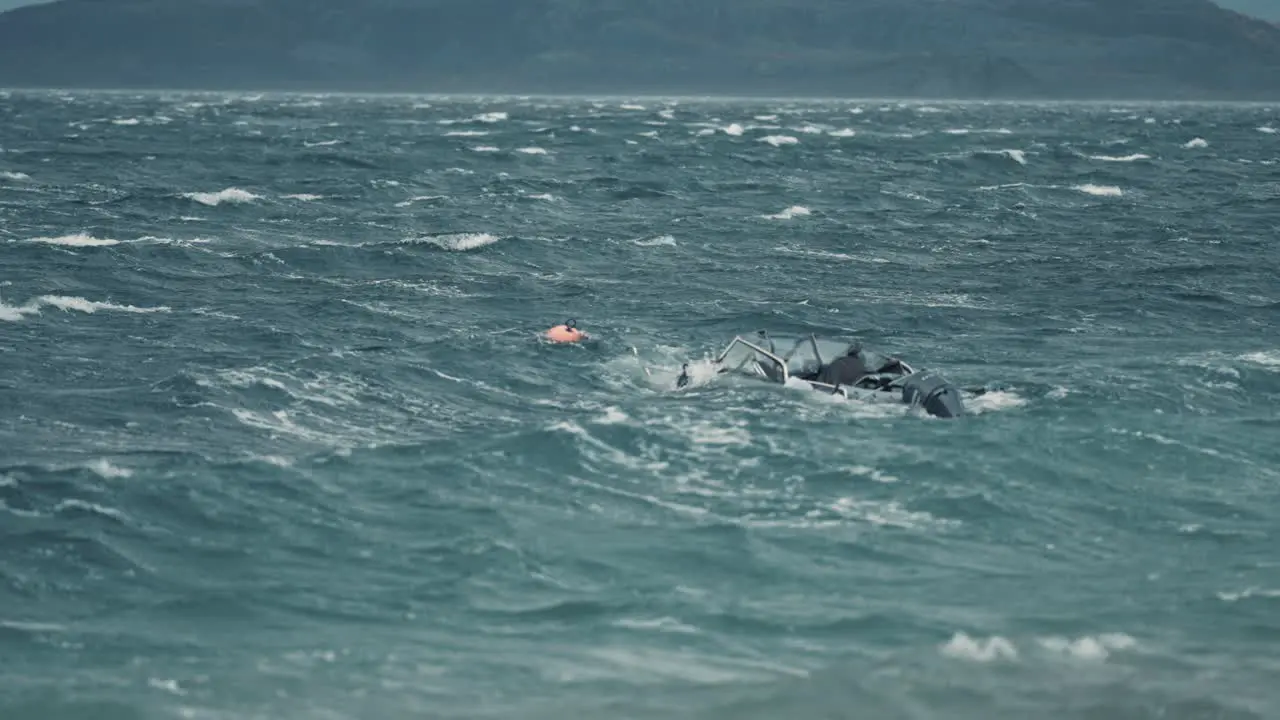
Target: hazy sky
1254, 5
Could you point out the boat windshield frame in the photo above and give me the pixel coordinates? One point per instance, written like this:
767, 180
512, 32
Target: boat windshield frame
782, 363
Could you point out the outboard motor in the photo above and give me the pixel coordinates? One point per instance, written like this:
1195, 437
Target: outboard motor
933, 393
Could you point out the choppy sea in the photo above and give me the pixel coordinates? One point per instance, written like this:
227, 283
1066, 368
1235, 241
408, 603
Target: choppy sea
279, 437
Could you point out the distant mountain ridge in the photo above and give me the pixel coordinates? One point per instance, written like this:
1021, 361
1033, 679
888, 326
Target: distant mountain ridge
1175, 49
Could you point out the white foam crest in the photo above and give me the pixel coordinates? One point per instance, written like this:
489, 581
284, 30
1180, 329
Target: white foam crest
418, 198
531, 151
466, 133
1269, 130
612, 416
91, 508
1247, 593
304, 197
126, 121
484, 149
321, 143
491, 117
631, 106
76, 240
667, 114
963, 647
276, 460
790, 213
1006, 186
779, 140
546, 197
1100, 190
872, 473
733, 129
662, 240
662, 624
279, 422
10, 313
651, 665
995, 401
459, 242
1196, 143
105, 469
15, 176
885, 514
618, 457
843, 133
1018, 156
229, 195
79, 304
1120, 159
1088, 647
323, 388
1267, 358
706, 433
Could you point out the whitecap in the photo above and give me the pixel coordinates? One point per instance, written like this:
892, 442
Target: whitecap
1120, 159
229, 195
964, 647
1196, 143
663, 624
1088, 647
79, 304
1265, 358
1248, 593
666, 240
76, 240
779, 140
105, 469
995, 401
531, 151
91, 508
11, 313
460, 242
794, 211
1018, 156
15, 176
1100, 190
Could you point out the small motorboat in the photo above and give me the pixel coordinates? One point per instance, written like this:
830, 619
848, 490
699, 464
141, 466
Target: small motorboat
838, 368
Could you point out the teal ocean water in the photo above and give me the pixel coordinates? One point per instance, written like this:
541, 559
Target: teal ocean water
279, 438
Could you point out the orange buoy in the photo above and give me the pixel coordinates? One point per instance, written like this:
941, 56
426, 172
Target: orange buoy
566, 333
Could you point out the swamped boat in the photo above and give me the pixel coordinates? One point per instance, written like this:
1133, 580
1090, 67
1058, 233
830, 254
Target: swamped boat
838, 368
